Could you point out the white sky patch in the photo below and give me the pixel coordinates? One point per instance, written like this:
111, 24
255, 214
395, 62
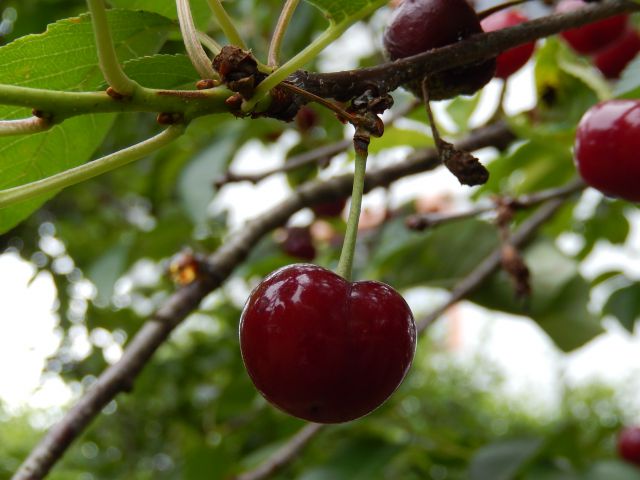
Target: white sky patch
27, 335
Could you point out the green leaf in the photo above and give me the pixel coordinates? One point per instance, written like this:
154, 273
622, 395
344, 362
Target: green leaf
64, 58
338, 11
167, 8
608, 222
629, 84
535, 165
163, 71
108, 268
195, 185
558, 301
394, 137
612, 470
405, 259
461, 108
624, 304
503, 460
564, 95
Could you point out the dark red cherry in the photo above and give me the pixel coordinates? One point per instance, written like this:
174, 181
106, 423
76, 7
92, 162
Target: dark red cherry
324, 349
306, 119
594, 36
330, 209
612, 59
607, 146
298, 243
629, 444
512, 60
421, 25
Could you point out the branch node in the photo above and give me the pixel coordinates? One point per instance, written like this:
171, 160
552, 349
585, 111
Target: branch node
206, 84
170, 118
115, 95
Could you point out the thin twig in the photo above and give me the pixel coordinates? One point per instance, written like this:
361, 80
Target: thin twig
499, 112
281, 28
306, 158
479, 274
120, 376
284, 455
431, 220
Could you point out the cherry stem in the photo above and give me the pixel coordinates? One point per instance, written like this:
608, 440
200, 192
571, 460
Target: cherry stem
361, 144
343, 114
432, 121
280, 30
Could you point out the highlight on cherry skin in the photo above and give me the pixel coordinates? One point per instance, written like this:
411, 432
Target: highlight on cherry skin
322, 348
606, 148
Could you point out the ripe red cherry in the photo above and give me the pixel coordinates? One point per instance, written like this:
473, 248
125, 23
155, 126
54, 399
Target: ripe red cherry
421, 25
329, 209
322, 348
594, 36
512, 60
612, 59
607, 146
629, 444
299, 244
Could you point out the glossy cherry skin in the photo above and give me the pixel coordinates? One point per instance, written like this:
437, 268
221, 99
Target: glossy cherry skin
514, 59
629, 444
607, 146
330, 209
594, 36
612, 59
298, 243
420, 25
324, 349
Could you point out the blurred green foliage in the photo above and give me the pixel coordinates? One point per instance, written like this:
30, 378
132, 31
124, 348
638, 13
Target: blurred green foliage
194, 414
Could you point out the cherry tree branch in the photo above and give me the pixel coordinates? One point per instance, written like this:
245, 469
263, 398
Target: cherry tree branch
285, 454
389, 76
60, 105
490, 264
431, 220
312, 156
120, 376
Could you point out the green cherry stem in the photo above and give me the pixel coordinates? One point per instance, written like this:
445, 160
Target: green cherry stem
281, 28
226, 24
111, 68
199, 58
361, 144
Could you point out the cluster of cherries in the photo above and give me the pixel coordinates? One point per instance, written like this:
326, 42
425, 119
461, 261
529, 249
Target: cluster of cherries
612, 43
325, 349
